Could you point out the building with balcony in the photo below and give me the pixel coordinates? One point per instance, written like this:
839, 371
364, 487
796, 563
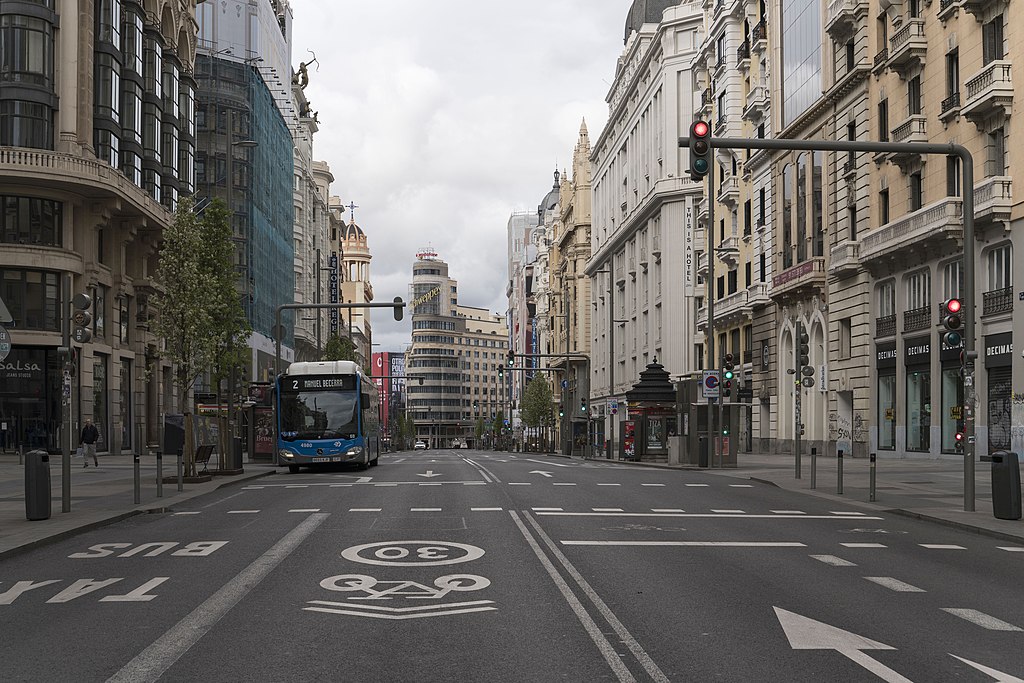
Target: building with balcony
644, 238
97, 146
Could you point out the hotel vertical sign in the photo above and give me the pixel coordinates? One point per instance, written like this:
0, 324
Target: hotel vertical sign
333, 291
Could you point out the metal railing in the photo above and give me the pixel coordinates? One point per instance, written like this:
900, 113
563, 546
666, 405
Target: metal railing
917, 319
997, 301
885, 326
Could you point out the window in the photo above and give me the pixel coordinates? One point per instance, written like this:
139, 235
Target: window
99, 315
919, 412
746, 275
887, 412
762, 207
32, 298
953, 72
919, 290
845, 338
732, 281
851, 56
952, 176
746, 218
851, 134
762, 268
721, 287
883, 207
26, 50
914, 8
883, 121
916, 191
25, 124
886, 299
952, 280
998, 268
851, 218
992, 39
914, 96
996, 165
123, 320
28, 220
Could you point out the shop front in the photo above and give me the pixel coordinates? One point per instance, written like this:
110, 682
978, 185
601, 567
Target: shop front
30, 386
952, 396
885, 365
998, 362
917, 356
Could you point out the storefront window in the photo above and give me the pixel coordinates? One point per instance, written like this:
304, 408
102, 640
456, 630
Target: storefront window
30, 397
887, 412
952, 407
919, 409
126, 404
999, 408
99, 400
29, 220
31, 297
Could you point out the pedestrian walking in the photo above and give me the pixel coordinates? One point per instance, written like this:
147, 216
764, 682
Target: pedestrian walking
88, 440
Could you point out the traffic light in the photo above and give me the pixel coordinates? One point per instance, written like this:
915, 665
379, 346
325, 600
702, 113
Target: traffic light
561, 411
583, 405
959, 436
728, 365
501, 372
952, 321
727, 388
805, 371
81, 318
700, 150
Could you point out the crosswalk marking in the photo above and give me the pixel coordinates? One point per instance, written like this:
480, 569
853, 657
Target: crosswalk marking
364, 509
894, 584
242, 512
941, 546
833, 560
981, 619
863, 545
305, 510
1012, 549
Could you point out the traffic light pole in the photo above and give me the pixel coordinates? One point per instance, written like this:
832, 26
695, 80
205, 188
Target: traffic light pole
967, 214
713, 429
798, 404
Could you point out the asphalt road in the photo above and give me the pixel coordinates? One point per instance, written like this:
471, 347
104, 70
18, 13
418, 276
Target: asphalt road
481, 566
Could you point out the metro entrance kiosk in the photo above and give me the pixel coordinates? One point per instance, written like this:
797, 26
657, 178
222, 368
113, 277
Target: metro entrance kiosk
697, 446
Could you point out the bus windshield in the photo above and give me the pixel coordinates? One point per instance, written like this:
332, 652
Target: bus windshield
319, 415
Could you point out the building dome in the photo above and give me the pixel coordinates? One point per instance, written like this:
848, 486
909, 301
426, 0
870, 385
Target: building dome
645, 12
352, 232
550, 200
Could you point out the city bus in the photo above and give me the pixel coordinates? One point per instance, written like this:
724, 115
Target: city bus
326, 414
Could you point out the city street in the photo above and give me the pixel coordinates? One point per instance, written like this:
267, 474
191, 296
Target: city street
489, 566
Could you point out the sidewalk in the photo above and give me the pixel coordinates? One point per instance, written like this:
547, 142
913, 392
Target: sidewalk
924, 488
99, 496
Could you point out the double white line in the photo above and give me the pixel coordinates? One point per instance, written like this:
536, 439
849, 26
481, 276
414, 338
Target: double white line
593, 630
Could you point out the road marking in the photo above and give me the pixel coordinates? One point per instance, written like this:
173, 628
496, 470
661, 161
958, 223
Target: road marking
716, 515
788, 512
863, 545
195, 512
595, 632
609, 484
474, 483
424, 509
652, 484
833, 560
252, 488
431, 484
1010, 549
381, 612
364, 509
731, 512
519, 483
563, 483
602, 509
546, 509
981, 619
667, 510
390, 484
155, 660
485, 509
549, 464
999, 676
894, 584
412, 553
335, 486
429, 473
851, 514
296, 486
698, 484
305, 510
695, 544
941, 546
242, 512
542, 473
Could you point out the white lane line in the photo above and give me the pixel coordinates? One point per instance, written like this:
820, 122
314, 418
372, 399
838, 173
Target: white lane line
667, 510
364, 509
474, 483
698, 484
604, 509
1011, 548
695, 544
155, 660
851, 514
609, 484
833, 560
335, 486
430, 484
941, 546
296, 486
305, 510
863, 545
563, 483
981, 619
547, 463
788, 512
741, 486
714, 515
242, 512
485, 509
546, 509
424, 509
652, 484
519, 483
393, 484
186, 513
252, 488
730, 512
894, 584
625, 637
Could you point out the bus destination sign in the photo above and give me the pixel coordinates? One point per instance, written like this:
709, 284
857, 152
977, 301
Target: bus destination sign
318, 383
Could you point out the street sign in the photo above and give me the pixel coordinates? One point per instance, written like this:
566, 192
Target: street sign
710, 384
5, 343
615, 407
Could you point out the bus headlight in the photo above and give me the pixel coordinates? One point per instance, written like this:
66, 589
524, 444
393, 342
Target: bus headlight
285, 453
355, 450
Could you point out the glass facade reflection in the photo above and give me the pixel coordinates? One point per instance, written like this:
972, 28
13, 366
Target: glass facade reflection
801, 57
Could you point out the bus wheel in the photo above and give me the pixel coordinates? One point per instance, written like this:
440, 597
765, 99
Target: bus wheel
294, 469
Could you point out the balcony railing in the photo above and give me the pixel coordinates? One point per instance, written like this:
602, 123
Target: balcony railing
993, 199
917, 319
914, 129
809, 273
656, 246
743, 53
731, 304
759, 37
842, 17
702, 317
950, 105
881, 57
885, 326
729, 191
935, 223
997, 301
907, 46
989, 91
757, 103
757, 295
947, 8
702, 263
845, 258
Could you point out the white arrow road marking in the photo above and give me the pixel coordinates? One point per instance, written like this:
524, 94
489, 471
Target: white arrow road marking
833, 560
381, 612
807, 634
542, 473
428, 473
998, 675
981, 619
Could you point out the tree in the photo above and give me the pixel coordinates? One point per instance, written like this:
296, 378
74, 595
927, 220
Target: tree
537, 402
200, 315
339, 348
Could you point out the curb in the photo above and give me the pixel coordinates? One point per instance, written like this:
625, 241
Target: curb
992, 533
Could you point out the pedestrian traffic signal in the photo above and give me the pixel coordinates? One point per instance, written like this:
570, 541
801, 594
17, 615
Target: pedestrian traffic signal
952, 321
727, 388
700, 150
81, 318
803, 348
511, 358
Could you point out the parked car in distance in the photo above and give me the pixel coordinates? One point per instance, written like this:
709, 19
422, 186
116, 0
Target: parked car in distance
465, 444
458, 443
420, 445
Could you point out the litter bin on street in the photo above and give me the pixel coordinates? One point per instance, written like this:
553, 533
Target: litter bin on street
1005, 484
37, 485
234, 459
702, 451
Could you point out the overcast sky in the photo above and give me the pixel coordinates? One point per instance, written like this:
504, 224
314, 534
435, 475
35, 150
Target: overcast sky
440, 118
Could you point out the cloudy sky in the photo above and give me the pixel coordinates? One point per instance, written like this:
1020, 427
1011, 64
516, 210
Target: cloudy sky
440, 118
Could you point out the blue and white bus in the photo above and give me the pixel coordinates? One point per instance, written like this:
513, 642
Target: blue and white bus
326, 413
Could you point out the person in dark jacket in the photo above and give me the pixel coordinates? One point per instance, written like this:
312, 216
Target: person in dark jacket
88, 440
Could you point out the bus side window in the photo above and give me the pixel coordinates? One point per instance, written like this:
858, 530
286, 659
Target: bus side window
364, 401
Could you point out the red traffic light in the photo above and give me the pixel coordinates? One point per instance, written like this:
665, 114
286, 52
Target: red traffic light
959, 436
701, 129
954, 305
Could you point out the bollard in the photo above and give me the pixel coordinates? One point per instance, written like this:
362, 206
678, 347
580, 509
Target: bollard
21, 454
181, 474
814, 467
160, 473
871, 482
138, 475
839, 472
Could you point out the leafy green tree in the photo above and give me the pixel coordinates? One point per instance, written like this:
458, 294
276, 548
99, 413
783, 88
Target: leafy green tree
537, 409
339, 348
201, 318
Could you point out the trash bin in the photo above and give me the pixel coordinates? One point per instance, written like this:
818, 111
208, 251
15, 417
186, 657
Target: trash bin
1005, 484
234, 459
702, 451
37, 485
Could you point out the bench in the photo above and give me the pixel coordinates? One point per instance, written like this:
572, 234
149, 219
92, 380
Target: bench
203, 455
